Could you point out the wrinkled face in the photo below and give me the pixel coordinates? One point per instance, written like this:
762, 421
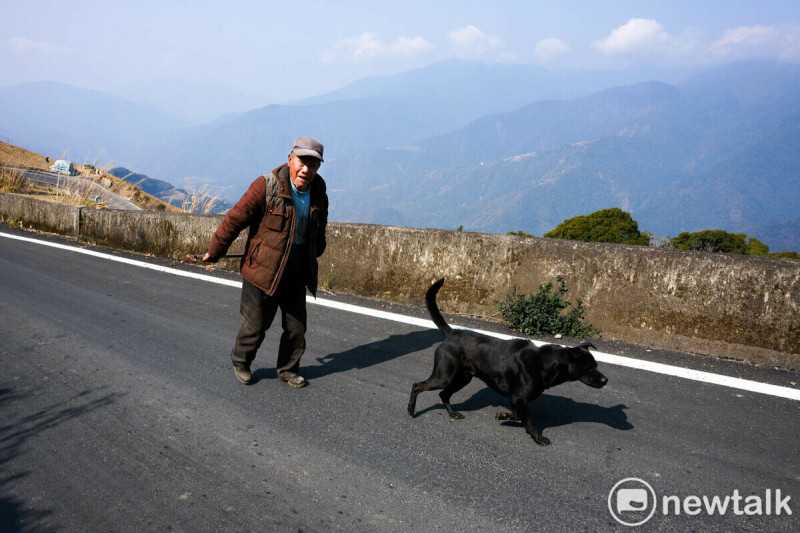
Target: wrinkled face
303, 170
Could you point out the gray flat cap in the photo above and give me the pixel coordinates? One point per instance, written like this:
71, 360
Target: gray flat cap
306, 146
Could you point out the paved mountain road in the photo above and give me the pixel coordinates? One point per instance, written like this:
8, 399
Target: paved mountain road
119, 411
80, 184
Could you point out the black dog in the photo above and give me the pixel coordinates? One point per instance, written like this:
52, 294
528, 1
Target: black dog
517, 369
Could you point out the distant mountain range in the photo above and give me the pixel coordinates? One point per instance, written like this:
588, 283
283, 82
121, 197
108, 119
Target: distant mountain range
83, 125
719, 151
487, 147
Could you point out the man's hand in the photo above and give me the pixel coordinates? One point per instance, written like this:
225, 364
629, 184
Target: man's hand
205, 258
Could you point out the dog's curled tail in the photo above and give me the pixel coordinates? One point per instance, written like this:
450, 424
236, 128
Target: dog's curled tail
433, 309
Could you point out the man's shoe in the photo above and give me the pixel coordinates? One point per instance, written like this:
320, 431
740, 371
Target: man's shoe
294, 380
243, 375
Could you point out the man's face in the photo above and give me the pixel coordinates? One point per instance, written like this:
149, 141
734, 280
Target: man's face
303, 170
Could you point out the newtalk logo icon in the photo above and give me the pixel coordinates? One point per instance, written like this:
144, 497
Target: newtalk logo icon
633, 502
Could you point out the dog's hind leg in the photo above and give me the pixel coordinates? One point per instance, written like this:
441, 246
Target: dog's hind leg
459, 382
416, 388
520, 407
445, 370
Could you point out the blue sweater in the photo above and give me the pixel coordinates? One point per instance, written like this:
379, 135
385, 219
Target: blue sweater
302, 203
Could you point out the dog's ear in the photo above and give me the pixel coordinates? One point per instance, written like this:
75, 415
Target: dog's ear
581, 352
576, 352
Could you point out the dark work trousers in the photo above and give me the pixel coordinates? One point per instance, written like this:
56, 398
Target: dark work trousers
259, 310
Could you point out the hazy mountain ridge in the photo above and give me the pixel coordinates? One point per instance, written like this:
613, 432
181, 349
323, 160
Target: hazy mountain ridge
146, 183
718, 150
675, 162
50, 117
470, 90
375, 113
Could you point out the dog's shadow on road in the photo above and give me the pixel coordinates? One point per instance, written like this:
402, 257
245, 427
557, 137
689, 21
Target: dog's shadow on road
547, 411
373, 353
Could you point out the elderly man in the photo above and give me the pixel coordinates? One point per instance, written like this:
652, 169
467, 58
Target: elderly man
286, 213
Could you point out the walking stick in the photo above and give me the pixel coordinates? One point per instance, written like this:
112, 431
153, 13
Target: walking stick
199, 257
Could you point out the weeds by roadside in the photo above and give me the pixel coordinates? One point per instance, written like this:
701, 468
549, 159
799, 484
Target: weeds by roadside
13, 181
543, 313
77, 192
201, 200
328, 283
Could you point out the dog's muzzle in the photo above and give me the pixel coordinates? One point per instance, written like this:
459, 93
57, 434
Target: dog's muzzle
594, 378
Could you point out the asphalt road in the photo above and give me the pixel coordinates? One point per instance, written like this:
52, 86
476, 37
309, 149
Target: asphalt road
119, 411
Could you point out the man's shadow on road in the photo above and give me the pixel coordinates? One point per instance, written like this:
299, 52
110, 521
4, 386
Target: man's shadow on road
547, 410
374, 353
364, 356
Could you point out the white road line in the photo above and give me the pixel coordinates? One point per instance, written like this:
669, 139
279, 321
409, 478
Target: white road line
127, 261
685, 373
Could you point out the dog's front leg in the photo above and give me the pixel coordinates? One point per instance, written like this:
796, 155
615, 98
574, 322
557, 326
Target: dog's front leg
520, 407
454, 415
412, 401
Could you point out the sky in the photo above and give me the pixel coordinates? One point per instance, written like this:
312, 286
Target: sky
243, 53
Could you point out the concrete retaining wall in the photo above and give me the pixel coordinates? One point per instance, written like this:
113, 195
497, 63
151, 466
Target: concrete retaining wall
720, 304
43, 215
162, 234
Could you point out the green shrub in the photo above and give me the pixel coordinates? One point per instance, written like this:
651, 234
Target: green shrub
545, 313
717, 240
786, 255
607, 225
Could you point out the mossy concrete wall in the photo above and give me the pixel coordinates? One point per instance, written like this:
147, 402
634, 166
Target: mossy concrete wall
163, 234
43, 215
720, 304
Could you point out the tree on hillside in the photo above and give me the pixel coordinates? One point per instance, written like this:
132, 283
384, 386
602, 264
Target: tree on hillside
786, 255
607, 225
756, 247
717, 240
714, 240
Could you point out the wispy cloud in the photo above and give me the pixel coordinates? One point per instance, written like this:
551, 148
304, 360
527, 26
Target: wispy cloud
471, 43
635, 36
637, 40
548, 49
23, 45
781, 42
367, 47
647, 39
411, 47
